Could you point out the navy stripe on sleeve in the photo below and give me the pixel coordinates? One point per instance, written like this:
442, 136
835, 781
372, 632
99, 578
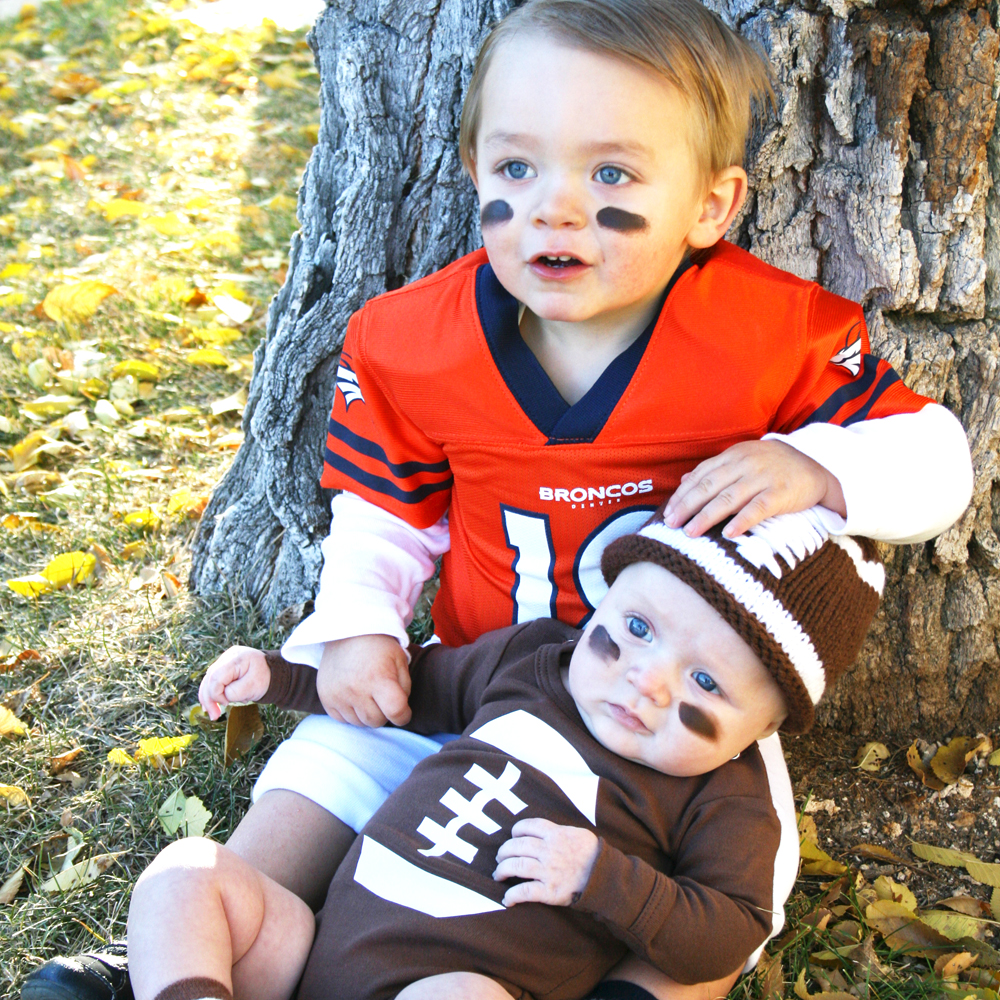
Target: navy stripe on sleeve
823, 414
888, 379
370, 449
385, 486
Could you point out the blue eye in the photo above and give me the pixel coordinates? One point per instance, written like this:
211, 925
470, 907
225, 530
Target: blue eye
638, 628
611, 175
704, 681
516, 170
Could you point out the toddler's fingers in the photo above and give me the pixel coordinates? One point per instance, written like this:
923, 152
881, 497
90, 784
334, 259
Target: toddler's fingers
761, 507
526, 892
733, 498
519, 867
525, 847
534, 826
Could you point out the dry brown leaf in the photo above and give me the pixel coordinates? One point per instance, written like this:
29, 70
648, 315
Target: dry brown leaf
807, 829
950, 761
244, 727
927, 776
59, 764
902, 930
25, 656
877, 853
870, 756
771, 976
968, 905
950, 965
995, 904
11, 887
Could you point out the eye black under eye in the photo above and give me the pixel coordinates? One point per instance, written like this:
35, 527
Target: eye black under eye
638, 628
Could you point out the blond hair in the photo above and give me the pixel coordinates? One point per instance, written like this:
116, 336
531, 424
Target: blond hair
721, 75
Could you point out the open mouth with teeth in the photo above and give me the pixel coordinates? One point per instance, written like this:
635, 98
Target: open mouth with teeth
564, 260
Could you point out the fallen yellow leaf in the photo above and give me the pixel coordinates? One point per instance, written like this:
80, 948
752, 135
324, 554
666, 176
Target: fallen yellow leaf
30, 586
142, 371
170, 224
163, 746
69, 568
119, 757
186, 504
208, 356
76, 303
119, 208
16, 270
146, 519
10, 724
217, 335
15, 796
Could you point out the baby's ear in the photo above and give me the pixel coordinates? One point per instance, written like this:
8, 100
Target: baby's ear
720, 206
771, 729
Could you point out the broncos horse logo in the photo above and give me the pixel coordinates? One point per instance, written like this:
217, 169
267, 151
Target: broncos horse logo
849, 356
347, 383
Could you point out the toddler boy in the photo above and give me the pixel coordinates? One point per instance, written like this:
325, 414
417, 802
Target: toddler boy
613, 774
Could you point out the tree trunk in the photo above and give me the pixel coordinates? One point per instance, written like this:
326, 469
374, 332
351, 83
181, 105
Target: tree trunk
873, 178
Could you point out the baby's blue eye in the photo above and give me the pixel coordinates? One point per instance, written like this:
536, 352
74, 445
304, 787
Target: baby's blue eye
611, 175
516, 170
704, 681
638, 628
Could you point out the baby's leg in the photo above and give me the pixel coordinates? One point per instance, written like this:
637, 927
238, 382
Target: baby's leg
455, 986
321, 785
634, 970
200, 912
294, 841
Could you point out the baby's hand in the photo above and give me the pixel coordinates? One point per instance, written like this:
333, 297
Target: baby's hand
757, 479
558, 860
240, 674
365, 681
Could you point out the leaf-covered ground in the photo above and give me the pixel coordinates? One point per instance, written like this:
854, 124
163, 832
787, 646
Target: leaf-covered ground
148, 178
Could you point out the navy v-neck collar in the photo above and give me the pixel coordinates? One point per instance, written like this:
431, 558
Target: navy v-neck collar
530, 384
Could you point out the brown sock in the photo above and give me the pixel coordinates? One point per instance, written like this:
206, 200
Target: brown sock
195, 988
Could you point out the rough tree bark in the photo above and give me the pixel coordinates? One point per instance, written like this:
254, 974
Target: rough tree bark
873, 178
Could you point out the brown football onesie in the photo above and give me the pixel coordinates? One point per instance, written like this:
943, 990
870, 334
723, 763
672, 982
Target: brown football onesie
683, 877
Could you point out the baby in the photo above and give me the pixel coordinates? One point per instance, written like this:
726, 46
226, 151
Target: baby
606, 795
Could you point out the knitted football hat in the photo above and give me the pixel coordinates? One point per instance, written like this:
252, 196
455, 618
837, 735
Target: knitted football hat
801, 598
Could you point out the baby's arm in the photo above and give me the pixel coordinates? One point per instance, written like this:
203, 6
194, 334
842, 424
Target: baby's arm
698, 925
375, 565
902, 478
241, 674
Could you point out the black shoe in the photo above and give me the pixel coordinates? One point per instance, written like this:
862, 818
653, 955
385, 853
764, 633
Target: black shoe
98, 975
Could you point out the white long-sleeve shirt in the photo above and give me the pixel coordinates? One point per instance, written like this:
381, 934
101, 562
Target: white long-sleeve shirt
905, 479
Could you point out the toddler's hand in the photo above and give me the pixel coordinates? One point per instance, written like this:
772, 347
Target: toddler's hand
757, 479
558, 860
365, 681
240, 674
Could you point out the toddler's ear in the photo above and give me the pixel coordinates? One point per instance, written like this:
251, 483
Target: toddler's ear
720, 206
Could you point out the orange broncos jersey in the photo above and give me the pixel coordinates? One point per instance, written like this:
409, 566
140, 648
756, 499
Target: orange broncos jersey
441, 407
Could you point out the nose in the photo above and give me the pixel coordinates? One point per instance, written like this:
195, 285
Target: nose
652, 681
560, 204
